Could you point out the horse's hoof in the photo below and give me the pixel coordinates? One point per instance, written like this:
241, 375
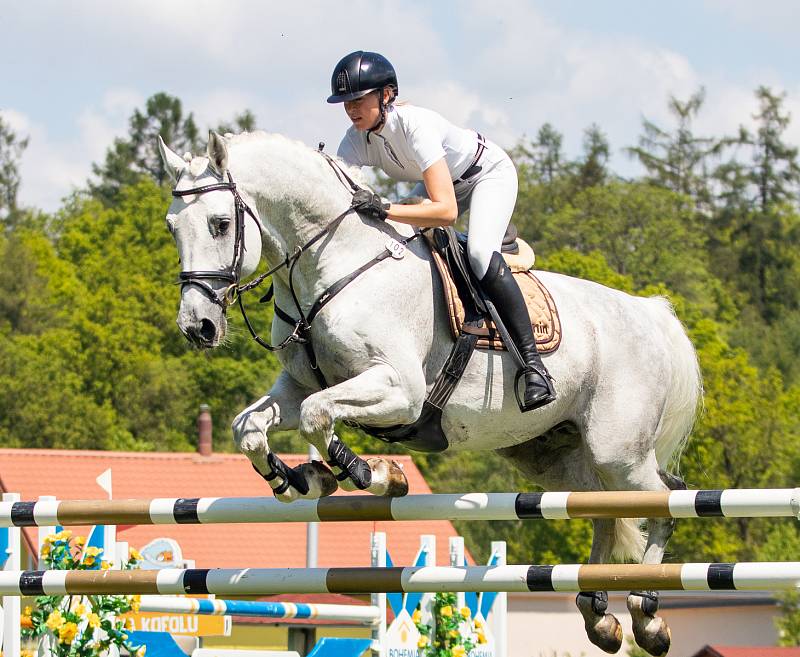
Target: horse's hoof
388, 478
321, 480
605, 632
654, 637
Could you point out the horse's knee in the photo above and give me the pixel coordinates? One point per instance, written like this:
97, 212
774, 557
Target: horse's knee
315, 416
249, 434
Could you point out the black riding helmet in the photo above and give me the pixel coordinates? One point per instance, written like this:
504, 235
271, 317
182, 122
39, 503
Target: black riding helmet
359, 73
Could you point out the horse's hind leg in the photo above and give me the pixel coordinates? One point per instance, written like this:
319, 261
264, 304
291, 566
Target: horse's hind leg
602, 628
650, 630
558, 461
379, 396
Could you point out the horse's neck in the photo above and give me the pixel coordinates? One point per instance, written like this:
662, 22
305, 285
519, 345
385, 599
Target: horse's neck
298, 195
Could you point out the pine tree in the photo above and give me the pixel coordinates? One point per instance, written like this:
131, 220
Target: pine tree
11, 149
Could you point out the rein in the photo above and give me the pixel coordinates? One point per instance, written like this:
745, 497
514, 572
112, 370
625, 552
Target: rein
233, 293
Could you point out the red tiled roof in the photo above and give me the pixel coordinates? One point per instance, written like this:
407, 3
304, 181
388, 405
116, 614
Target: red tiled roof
747, 651
71, 474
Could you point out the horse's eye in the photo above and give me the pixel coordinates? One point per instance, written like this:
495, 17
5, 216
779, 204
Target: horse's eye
219, 225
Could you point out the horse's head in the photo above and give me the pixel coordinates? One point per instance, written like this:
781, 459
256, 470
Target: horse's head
217, 232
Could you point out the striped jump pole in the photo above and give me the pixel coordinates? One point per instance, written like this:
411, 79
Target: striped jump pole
266, 581
732, 503
367, 615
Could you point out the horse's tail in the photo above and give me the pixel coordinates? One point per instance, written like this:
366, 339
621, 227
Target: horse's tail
683, 399
685, 391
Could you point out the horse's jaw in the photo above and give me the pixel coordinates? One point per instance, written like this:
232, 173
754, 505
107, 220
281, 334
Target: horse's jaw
200, 320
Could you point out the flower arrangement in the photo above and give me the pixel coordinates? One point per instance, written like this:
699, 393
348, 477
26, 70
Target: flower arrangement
454, 633
79, 626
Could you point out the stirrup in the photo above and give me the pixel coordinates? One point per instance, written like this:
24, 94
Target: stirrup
523, 407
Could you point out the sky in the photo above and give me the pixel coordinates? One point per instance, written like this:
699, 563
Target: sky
75, 71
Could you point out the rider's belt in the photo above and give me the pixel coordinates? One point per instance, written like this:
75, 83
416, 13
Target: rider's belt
474, 169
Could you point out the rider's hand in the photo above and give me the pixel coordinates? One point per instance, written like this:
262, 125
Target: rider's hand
369, 203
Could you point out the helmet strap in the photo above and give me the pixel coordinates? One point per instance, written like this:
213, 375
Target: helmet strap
382, 120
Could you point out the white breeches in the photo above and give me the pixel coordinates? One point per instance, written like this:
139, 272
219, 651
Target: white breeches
490, 197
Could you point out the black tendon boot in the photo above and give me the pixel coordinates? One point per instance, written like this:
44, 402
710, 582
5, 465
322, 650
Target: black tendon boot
500, 286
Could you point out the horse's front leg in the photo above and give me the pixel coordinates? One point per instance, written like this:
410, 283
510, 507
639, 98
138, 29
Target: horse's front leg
280, 408
380, 396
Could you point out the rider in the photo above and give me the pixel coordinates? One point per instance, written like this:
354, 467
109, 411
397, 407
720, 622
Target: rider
456, 169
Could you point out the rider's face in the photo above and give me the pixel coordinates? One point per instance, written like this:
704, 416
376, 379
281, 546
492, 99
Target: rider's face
364, 112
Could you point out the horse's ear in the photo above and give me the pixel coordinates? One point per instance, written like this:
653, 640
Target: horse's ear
173, 163
217, 152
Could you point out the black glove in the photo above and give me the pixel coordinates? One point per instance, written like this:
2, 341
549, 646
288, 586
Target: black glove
369, 203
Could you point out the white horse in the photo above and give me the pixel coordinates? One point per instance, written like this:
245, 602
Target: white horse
626, 375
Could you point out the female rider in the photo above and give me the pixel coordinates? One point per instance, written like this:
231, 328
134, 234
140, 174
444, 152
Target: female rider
457, 170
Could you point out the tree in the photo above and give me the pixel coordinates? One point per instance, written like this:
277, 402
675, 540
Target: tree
593, 167
677, 159
775, 171
11, 149
243, 122
136, 156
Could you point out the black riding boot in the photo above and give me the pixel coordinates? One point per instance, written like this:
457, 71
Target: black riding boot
500, 286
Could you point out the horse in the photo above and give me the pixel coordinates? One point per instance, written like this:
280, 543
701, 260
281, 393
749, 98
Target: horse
626, 375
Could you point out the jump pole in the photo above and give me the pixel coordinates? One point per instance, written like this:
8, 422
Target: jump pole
367, 615
744, 576
731, 503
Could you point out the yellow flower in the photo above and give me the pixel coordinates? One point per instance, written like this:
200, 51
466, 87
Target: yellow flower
459, 651
26, 653
481, 637
45, 551
423, 641
416, 616
465, 612
105, 565
27, 611
134, 554
136, 604
64, 535
94, 620
55, 620
26, 622
88, 561
67, 632
92, 551
478, 623
447, 611
79, 609
452, 634
140, 652
80, 540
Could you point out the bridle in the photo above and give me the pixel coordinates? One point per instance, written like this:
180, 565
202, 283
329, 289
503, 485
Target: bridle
232, 273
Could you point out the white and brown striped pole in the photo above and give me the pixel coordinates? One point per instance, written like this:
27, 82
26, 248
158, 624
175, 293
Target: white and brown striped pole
268, 581
731, 503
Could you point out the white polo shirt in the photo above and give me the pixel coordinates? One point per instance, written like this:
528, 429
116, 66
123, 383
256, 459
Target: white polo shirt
412, 139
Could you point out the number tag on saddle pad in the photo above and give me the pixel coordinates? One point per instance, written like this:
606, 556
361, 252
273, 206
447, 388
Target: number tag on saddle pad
395, 248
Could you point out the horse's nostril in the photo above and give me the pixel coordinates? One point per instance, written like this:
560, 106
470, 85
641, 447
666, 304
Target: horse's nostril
207, 330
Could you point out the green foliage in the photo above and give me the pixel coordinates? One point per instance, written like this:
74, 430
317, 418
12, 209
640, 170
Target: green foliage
11, 149
90, 357
446, 637
75, 626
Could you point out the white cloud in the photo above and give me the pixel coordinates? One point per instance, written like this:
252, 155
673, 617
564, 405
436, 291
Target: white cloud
503, 68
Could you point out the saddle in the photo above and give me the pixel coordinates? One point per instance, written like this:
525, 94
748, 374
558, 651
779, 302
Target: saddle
471, 329
462, 299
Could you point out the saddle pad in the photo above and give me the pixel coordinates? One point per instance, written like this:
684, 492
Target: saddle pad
541, 307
